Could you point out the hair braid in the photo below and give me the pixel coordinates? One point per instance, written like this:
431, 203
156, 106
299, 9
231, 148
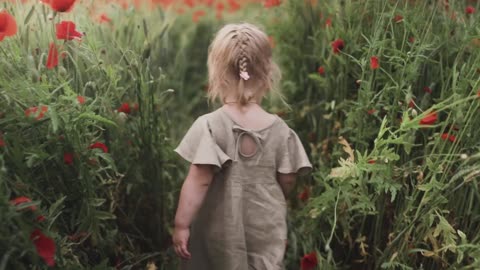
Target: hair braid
242, 43
243, 56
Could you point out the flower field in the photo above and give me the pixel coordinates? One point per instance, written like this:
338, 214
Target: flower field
95, 95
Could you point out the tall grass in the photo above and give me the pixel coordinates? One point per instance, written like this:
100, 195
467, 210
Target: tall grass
392, 193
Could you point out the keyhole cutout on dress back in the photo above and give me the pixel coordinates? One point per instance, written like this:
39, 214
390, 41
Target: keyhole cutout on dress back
248, 145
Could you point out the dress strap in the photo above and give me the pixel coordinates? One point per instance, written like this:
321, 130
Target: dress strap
256, 136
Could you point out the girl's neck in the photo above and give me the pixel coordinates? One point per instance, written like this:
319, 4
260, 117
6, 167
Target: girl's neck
230, 100
236, 106
236, 102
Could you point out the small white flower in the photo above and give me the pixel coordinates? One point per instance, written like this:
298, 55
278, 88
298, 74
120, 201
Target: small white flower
463, 156
122, 117
414, 113
244, 75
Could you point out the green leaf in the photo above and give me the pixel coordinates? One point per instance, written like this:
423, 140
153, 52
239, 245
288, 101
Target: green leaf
54, 118
103, 215
29, 15
96, 202
96, 117
56, 206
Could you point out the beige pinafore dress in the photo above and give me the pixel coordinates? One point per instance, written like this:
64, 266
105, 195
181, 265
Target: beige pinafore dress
242, 222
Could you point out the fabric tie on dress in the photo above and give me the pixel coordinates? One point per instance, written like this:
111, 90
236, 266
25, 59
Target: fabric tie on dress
255, 135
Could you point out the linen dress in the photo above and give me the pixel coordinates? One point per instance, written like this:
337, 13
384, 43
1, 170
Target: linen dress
241, 224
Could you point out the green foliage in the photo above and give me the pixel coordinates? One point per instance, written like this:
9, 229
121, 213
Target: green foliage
400, 198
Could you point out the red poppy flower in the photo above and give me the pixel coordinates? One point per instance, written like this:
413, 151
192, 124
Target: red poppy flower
66, 31
104, 18
430, 119
478, 93
427, 89
271, 3
21, 200
411, 104
52, 59
60, 5
371, 111
371, 161
45, 247
233, 5
99, 145
8, 25
207, 2
309, 261
374, 62
40, 218
338, 45
189, 3
219, 10
34, 110
68, 158
321, 70
304, 195
470, 10
125, 108
446, 136
411, 39
81, 100
398, 18
197, 15
328, 22
180, 10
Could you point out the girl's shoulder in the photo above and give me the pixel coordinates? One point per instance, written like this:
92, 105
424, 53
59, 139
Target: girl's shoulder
221, 119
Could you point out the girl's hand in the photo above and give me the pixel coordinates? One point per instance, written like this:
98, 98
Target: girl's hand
180, 241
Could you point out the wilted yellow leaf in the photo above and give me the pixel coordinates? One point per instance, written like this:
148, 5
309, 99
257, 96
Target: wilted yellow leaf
151, 266
347, 148
427, 253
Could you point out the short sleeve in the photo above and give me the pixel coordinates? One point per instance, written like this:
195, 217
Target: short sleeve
293, 158
198, 146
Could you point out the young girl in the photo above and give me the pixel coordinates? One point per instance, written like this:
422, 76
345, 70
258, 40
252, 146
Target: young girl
244, 162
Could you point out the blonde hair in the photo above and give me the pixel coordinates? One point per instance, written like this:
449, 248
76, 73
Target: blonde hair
240, 63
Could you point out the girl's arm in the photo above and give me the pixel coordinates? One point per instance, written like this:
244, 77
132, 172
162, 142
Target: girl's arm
192, 195
287, 182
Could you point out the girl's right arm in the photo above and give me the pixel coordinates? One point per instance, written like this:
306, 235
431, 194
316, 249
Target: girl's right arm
287, 182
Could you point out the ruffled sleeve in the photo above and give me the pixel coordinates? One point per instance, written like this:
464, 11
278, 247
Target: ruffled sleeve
293, 158
198, 146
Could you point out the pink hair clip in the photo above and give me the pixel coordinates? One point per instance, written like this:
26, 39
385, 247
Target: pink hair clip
244, 75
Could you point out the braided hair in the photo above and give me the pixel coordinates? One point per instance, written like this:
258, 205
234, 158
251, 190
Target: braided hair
240, 64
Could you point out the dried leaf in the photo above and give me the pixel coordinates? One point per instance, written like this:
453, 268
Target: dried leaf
427, 253
347, 148
472, 175
151, 266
